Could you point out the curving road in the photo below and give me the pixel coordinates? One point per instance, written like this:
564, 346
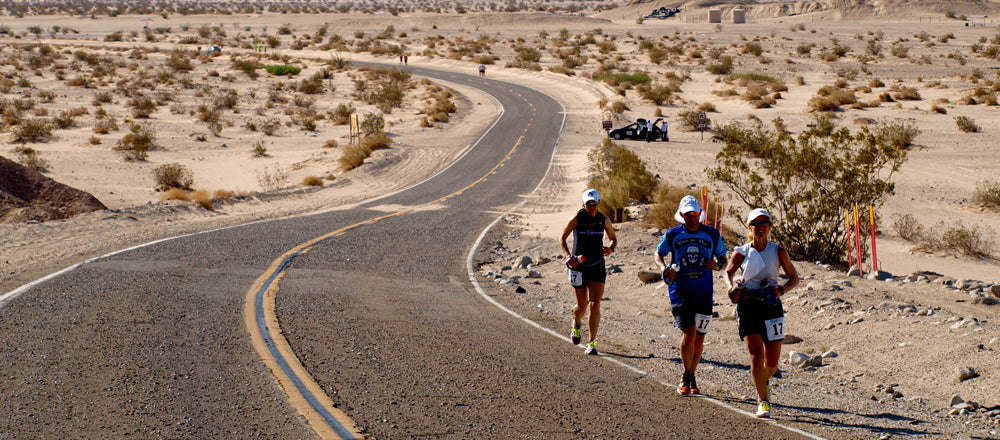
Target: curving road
151, 342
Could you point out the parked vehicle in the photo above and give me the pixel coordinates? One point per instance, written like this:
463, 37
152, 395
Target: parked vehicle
637, 131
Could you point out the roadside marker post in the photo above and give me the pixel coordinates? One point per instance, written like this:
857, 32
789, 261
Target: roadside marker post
857, 239
871, 220
847, 220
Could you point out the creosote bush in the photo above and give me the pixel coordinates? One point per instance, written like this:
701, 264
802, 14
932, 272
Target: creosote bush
137, 143
312, 181
172, 175
807, 181
966, 124
620, 176
987, 194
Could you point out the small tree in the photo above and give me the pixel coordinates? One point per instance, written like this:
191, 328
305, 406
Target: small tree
372, 124
807, 181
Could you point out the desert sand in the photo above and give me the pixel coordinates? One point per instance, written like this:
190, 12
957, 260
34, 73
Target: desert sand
935, 185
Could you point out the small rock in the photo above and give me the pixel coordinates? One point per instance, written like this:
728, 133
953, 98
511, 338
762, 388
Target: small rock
614, 268
880, 276
523, 262
534, 274
955, 400
830, 354
520, 290
791, 339
965, 373
995, 290
797, 359
649, 276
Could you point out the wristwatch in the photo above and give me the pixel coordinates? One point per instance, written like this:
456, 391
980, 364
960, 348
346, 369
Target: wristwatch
782, 289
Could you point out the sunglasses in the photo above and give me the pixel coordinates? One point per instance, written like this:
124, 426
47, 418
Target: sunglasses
591, 204
760, 223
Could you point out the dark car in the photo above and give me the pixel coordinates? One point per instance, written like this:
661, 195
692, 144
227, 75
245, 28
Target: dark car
637, 131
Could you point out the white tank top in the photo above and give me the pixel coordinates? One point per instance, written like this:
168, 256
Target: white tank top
759, 266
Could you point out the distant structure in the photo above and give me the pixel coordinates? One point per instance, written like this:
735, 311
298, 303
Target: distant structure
715, 15
664, 13
739, 16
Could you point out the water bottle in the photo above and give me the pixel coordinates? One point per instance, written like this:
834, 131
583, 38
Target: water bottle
676, 269
574, 261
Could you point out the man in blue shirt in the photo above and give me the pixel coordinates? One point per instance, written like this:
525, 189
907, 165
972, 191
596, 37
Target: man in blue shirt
695, 251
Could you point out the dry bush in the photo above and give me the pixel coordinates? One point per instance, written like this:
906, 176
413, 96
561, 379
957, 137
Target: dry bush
908, 228
618, 107
353, 156
259, 150
312, 181
966, 124
331, 143
30, 158
142, 107
987, 194
223, 193
137, 143
904, 93
32, 130
897, 133
172, 175
665, 200
272, 179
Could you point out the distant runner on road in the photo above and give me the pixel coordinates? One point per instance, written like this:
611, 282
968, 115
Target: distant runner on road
586, 264
482, 70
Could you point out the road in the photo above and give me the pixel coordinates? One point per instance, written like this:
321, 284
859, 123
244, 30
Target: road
151, 343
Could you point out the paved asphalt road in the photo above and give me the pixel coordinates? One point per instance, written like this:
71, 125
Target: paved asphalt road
151, 343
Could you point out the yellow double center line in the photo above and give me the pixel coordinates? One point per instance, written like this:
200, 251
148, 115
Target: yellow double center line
262, 323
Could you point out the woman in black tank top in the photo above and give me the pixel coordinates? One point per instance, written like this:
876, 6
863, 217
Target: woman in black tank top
586, 264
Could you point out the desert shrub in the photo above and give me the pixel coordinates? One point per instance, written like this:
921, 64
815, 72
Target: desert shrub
623, 80
353, 156
806, 181
30, 158
312, 181
311, 85
270, 126
962, 240
281, 69
372, 123
272, 179
32, 130
179, 62
342, 114
908, 228
987, 194
331, 143
106, 125
705, 107
665, 200
966, 124
223, 193
172, 175
376, 141
657, 94
142, 107
136, 144
896, 133
620, 176
904, 93
246, 65
618, 106
721, 67
258, 149
689, 120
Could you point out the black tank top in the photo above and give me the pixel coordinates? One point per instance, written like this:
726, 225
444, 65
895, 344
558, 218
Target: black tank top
588, 237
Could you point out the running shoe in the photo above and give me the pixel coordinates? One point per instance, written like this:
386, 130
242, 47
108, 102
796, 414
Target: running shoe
684, 388
764, 409
576, 335
591, 348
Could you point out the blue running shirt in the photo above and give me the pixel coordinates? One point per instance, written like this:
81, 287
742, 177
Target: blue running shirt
690, 251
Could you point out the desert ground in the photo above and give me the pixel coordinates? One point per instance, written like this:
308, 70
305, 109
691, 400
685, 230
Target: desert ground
88, 76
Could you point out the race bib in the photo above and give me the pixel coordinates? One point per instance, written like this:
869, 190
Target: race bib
702, 323
775, 329
576, 278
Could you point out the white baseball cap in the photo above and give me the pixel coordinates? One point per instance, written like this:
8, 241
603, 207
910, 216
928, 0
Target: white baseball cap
757, 212
688, 204
591, 195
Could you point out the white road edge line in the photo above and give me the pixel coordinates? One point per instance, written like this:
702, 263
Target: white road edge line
482, 293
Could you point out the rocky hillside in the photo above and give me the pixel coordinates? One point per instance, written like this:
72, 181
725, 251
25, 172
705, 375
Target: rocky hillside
27, 195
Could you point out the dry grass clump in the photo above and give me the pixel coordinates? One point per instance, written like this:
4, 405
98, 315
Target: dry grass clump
272, 179
441, 106
904, 93
355, 155
32, 130
312, 181
331, 143
30, 158
665, 200
830, 98
987, 194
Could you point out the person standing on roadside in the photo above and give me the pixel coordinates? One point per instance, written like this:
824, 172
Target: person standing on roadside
586, 264
695, 251
649, 130
758, 301
482, 70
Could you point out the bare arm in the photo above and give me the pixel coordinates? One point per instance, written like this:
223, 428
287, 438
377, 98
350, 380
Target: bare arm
610, 232
731, 268
789, 268
565, 234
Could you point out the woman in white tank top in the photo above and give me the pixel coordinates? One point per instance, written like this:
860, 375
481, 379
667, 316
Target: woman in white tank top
757, 294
